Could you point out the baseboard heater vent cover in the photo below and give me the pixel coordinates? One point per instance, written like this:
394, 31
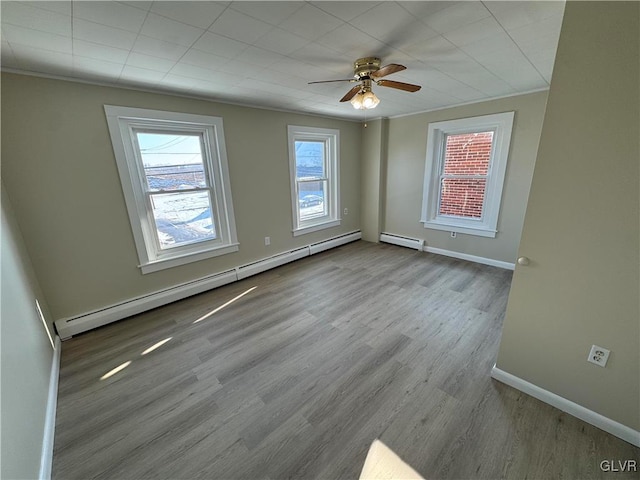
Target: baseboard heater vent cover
67, 327
334, 242
415, 243
265, 264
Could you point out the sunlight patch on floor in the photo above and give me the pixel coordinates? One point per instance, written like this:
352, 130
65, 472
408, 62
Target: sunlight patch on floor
119, 368
383, 464
212, 312
155, 346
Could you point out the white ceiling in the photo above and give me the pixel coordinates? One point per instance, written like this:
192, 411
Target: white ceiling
264, 53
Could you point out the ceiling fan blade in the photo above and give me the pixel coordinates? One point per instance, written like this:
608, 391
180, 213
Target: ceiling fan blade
388, 70
330, 81
350, 94
407, 87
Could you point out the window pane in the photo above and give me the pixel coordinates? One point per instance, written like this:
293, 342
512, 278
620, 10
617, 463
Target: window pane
311, 200
309, 159
183, 218
468, 154
462, 197
171, 161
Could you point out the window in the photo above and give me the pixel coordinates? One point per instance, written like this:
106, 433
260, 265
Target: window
174, 174
464, 173
314, 166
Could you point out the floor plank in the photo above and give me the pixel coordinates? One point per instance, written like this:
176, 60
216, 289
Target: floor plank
296, 378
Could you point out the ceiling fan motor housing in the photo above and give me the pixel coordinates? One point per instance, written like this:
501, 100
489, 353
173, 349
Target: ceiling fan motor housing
364, 67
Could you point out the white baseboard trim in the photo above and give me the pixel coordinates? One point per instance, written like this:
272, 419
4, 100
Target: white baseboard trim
471, 258
604, 423
418, 244
46, 457
67, 327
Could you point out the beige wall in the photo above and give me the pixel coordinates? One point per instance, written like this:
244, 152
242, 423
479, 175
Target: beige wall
26, 356
372, 181
60, 171
582, 222
407, 149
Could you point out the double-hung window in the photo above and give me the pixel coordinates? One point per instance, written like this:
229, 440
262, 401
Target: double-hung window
314, 166
174, 175
464, 173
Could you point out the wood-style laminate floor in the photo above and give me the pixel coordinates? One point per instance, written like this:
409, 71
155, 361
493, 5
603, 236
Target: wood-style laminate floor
298, 376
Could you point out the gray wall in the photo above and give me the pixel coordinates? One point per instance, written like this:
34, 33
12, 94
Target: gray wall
26, 356
60, 172
405, 165
582, 222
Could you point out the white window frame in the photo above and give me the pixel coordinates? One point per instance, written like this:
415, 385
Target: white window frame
486, 226
122, 122
331, 139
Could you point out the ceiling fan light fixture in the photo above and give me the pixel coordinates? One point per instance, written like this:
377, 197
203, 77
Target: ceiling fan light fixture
365, 100
356, 101
369, 100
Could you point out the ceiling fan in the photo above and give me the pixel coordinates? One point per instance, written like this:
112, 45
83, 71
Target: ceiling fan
366, 71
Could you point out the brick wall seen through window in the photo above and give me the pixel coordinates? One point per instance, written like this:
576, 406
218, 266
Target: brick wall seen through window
464, 174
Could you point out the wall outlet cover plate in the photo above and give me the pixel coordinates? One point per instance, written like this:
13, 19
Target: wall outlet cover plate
598, 355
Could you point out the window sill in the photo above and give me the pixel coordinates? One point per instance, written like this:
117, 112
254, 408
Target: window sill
451, 227
316, 227
161, 264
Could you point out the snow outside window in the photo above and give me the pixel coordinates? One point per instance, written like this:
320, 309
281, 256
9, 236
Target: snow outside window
314, 166
174, 174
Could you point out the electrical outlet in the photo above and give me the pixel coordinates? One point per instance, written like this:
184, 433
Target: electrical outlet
267, 241
453, 234
346, 211
598, 355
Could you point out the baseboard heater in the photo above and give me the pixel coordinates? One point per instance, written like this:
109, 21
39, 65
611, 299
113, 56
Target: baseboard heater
334, 242
415, 243
263, 265
274, 261
72, 326
67, 327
